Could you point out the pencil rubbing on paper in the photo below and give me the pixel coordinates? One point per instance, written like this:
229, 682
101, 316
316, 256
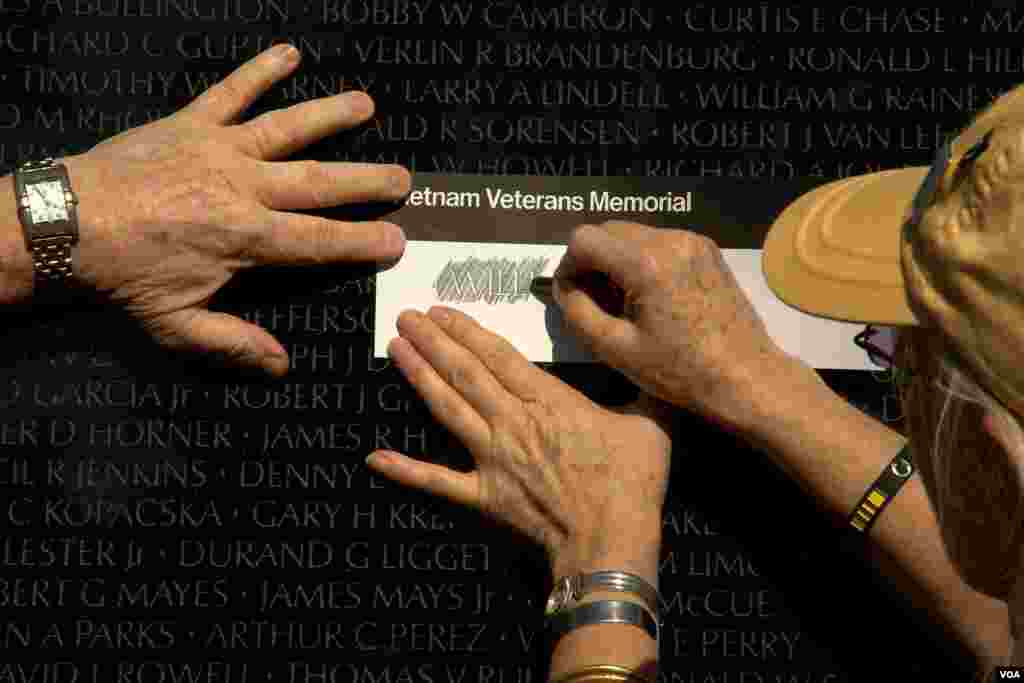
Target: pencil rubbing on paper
494, 280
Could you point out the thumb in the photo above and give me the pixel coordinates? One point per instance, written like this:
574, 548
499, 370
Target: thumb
608, 336
592, 255
228, 340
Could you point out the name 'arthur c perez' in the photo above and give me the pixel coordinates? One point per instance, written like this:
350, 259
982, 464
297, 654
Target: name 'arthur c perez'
598, 201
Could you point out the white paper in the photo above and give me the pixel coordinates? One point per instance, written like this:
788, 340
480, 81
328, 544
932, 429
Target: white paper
538, 331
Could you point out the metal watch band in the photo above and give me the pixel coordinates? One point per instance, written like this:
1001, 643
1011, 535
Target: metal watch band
602, 612
49, 243
51, 259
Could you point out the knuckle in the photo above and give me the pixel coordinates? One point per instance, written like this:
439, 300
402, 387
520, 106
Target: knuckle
261, 236
264, 136
453, 378
488, 497
422, 376
434, 479
226, 90
685, 246
236, 351
490, 357
705, 246
649, 264
543, 416
604, 332
462, 379
457, 326
578, 232
317, 180
451, 406
322, 235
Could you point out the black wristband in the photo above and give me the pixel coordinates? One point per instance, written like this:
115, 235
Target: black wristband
879, 494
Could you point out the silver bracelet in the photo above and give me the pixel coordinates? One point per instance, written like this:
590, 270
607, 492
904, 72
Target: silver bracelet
603, 612
569, 589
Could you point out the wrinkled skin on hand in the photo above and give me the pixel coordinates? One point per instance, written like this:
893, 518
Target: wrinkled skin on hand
689, 335
171, 210
568, 473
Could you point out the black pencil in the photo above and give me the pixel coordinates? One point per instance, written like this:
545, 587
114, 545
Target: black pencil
541, 287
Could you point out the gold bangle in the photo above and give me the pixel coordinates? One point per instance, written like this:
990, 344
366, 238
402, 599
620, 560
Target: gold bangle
602, 673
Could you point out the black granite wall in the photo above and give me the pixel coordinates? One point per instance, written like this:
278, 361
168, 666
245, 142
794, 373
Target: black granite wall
161, 521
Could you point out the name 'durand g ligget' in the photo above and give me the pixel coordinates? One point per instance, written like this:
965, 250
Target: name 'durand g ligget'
497, 198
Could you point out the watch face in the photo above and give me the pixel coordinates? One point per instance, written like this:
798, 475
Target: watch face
46, 202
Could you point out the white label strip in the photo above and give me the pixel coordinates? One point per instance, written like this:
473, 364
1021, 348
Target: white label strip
490, 282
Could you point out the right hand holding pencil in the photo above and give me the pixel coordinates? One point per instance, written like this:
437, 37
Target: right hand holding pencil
687, 335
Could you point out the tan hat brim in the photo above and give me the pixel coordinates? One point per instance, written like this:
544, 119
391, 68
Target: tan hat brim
835, 252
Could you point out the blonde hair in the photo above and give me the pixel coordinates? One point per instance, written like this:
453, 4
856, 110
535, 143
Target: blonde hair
977, 493
975, 487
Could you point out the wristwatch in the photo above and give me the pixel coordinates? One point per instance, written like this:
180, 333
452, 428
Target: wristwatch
47, 210
563, 614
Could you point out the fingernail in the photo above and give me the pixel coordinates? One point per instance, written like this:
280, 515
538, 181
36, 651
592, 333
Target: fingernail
401, 181
278, 365
408, 317
438, 314
394, 237
355, 101
286, 52
379, 459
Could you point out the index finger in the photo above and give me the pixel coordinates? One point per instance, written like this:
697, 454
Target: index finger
597, 248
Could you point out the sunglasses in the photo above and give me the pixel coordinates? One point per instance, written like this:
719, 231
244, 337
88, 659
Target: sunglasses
880, 345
